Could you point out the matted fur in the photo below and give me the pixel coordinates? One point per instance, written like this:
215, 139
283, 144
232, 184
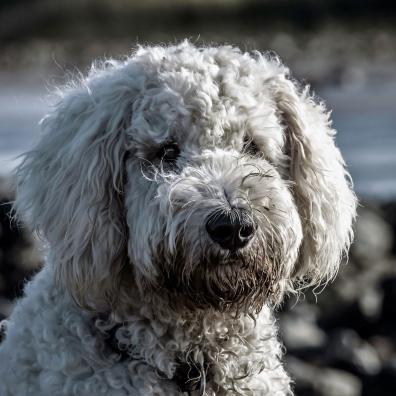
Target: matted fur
129, 254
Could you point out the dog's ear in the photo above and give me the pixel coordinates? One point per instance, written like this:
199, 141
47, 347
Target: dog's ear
320, 183
70, 188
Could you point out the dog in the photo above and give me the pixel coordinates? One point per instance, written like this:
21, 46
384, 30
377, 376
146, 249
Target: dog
182, 192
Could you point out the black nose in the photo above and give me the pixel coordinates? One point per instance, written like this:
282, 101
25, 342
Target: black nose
232, 230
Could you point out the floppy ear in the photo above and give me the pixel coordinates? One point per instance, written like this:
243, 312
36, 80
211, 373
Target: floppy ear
321, 184
70, 188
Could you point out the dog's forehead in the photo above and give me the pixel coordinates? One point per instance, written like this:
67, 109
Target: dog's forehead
203, 98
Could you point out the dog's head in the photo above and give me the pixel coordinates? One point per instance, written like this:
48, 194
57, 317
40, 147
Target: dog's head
202, 173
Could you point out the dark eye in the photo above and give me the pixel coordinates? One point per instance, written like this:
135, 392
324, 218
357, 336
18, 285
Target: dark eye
169, 152
249, 147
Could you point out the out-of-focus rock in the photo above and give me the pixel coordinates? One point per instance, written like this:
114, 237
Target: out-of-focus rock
348, 351
370, 302
373, 237
311, 380
18, 257
384, 347
383, 384
303, 375
330, 382
6, 307
300, 330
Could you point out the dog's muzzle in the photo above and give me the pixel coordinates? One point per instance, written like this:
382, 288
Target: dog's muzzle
232, 230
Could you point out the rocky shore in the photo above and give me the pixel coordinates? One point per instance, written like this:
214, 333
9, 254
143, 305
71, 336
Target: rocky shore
340, 341
19, 259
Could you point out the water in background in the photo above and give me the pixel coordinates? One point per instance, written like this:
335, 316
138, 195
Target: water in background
22, 105
364, 115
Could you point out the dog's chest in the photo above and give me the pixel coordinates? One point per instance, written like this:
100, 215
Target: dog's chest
190, 365
202, 356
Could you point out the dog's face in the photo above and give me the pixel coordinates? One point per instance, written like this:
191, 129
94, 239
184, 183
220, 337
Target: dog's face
200, 173
209, 215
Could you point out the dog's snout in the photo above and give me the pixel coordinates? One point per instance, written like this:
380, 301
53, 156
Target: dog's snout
232, 230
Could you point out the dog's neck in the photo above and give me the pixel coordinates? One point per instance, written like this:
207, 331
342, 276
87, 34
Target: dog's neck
190, 375
190, 348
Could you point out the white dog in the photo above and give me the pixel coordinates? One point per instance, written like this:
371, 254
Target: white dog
182, 192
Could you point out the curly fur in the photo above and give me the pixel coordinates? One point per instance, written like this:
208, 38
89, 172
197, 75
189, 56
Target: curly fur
134, 293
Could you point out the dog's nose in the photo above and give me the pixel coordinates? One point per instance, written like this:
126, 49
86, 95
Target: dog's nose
232, 230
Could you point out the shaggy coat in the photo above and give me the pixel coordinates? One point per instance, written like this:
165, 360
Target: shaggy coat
136, 296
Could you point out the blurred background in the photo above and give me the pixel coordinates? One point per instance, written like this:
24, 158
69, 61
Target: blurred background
341, 342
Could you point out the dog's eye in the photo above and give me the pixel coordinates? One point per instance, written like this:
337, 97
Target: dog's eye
169, 152
249, 147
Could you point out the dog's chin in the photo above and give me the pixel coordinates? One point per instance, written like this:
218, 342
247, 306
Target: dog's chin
236, 282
